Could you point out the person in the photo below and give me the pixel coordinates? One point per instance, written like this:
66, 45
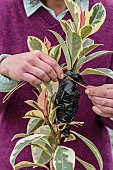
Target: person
20, 19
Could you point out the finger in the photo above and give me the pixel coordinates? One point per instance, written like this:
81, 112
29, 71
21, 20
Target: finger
98, 112
105, 110
102, 101
47, 69
107, 86
40, 74
100, 92
31, 79
53, 63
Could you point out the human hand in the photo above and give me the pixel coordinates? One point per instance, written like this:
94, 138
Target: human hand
102, 99
34, 67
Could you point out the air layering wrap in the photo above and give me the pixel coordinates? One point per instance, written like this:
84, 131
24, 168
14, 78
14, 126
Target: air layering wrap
67, 100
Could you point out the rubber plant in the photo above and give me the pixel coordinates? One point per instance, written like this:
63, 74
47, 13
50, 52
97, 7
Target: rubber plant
50, 119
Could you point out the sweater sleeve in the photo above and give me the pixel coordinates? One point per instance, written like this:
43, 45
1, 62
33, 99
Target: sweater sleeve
6, 84
109, 121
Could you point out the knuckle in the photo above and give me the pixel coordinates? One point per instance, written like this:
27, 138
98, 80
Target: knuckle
104, 94
42, 75
53, 63
3, 70
32, 80
54, 78
110, 110
24, 66
103, 109
104, 103
37, 52
49, 70
29, 59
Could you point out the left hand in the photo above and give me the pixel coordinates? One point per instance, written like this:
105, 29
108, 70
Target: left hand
102, 99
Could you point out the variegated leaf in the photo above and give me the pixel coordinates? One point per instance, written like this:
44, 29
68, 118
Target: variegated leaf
22, 143
74, 44
21, 135
70, 138
32, 103
39, 155
55, 52
35, 43
75, 12
97, 17
34, 124
51, 86
25, 164
88, 42
98, 71
86, 165
85, 31
64, 48
93, 56
64, 158
66, 26
92, 147
52, 115
88, 49
41, 146
34, 114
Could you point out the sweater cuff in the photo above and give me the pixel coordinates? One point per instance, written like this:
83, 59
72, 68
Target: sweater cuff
107, 122
3, 56
6, 84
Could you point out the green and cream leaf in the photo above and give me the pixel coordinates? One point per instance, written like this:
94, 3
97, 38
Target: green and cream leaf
75, 12
92, 147
87, 42
74, 44
51, 86
88, 49
34, 124
52, 115
55, 52
97, 17
34, 114
21, 135
25, 164
66, 25
64, 48
42, 157
32, 103
35, 43
21, 144
70, 138
98, 71
86, 165
90, 57
64, 158
85, 31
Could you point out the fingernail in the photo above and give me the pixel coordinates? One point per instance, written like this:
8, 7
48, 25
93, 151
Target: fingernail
89, 97
62, 76
56, 80
94, 107
87, 91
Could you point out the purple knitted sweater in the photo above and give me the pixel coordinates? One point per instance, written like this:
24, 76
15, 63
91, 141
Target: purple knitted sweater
14, 29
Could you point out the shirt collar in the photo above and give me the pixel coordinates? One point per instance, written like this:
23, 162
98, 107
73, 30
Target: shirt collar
31, 9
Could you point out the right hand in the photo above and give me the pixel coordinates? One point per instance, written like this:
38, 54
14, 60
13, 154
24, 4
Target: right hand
34, 67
